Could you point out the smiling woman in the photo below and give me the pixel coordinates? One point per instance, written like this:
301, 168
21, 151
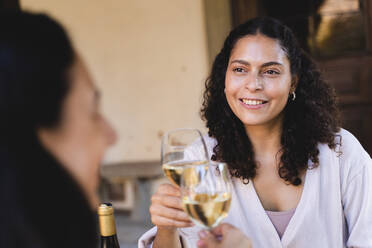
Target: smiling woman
299, 179
262, 61
258, 78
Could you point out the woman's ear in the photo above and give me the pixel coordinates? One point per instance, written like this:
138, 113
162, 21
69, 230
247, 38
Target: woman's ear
294, 83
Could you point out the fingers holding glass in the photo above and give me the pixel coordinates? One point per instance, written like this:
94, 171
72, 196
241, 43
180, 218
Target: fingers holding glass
206, 194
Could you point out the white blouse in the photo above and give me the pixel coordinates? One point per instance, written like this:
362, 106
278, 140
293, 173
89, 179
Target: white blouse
335, 209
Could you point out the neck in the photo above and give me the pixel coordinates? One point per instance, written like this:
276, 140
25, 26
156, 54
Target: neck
265, 138
72, 162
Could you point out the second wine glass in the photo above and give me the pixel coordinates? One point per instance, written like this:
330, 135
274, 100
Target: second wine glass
206, 193
181, 148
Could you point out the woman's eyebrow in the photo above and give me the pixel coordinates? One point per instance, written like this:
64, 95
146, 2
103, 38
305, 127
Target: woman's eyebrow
271, 63
244, 62
240, 61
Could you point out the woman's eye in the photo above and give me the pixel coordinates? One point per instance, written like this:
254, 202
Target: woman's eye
238, 69
272, 72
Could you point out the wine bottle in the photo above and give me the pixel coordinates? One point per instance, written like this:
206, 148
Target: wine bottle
107, 227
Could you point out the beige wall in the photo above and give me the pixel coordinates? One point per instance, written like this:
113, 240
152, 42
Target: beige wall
148, 57
218, 25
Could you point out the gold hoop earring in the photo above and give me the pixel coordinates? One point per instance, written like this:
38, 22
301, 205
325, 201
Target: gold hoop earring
293, 94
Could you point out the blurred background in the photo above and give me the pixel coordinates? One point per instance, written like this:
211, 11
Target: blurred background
150, 59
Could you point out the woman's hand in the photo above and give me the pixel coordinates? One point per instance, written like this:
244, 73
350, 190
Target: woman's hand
167, 214
223, 236
166, 208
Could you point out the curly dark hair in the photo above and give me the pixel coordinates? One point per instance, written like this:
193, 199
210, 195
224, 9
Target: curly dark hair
311, 119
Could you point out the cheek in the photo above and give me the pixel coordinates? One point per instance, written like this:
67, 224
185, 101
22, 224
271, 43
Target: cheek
232, 86
89, 133
230, 92
106, 132
278, 89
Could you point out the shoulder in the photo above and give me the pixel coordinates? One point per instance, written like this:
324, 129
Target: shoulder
210, 144
209, 141
197, 146
353, 158
350, 147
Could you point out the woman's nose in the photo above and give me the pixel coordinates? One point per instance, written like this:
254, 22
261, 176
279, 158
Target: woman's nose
253, 82
111, 134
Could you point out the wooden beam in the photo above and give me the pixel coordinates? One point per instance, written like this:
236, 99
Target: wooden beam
243, 10
367, 9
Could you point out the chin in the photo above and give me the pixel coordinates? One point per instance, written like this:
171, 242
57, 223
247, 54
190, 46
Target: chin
252, 124
253, 121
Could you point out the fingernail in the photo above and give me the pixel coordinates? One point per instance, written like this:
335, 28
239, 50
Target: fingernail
200, 243
203, 234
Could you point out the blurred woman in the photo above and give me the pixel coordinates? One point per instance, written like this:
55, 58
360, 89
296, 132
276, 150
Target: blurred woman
299, 180
53, 137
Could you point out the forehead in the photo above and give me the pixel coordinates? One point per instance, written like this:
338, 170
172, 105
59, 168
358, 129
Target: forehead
259, 48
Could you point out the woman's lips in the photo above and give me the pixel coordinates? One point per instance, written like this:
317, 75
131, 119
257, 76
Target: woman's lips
253, 103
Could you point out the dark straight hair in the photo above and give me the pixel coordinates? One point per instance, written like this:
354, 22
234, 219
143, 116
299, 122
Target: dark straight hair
42, 205
35, 57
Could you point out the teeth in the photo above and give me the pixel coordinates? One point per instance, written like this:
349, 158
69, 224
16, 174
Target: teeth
252, 102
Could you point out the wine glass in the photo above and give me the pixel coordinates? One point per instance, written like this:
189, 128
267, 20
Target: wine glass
206, 193
181, 148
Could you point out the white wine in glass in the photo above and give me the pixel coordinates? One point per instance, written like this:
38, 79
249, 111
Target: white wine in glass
181, 148
206, 194
174, 170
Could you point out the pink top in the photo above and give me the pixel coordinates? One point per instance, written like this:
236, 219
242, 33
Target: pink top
280, 220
